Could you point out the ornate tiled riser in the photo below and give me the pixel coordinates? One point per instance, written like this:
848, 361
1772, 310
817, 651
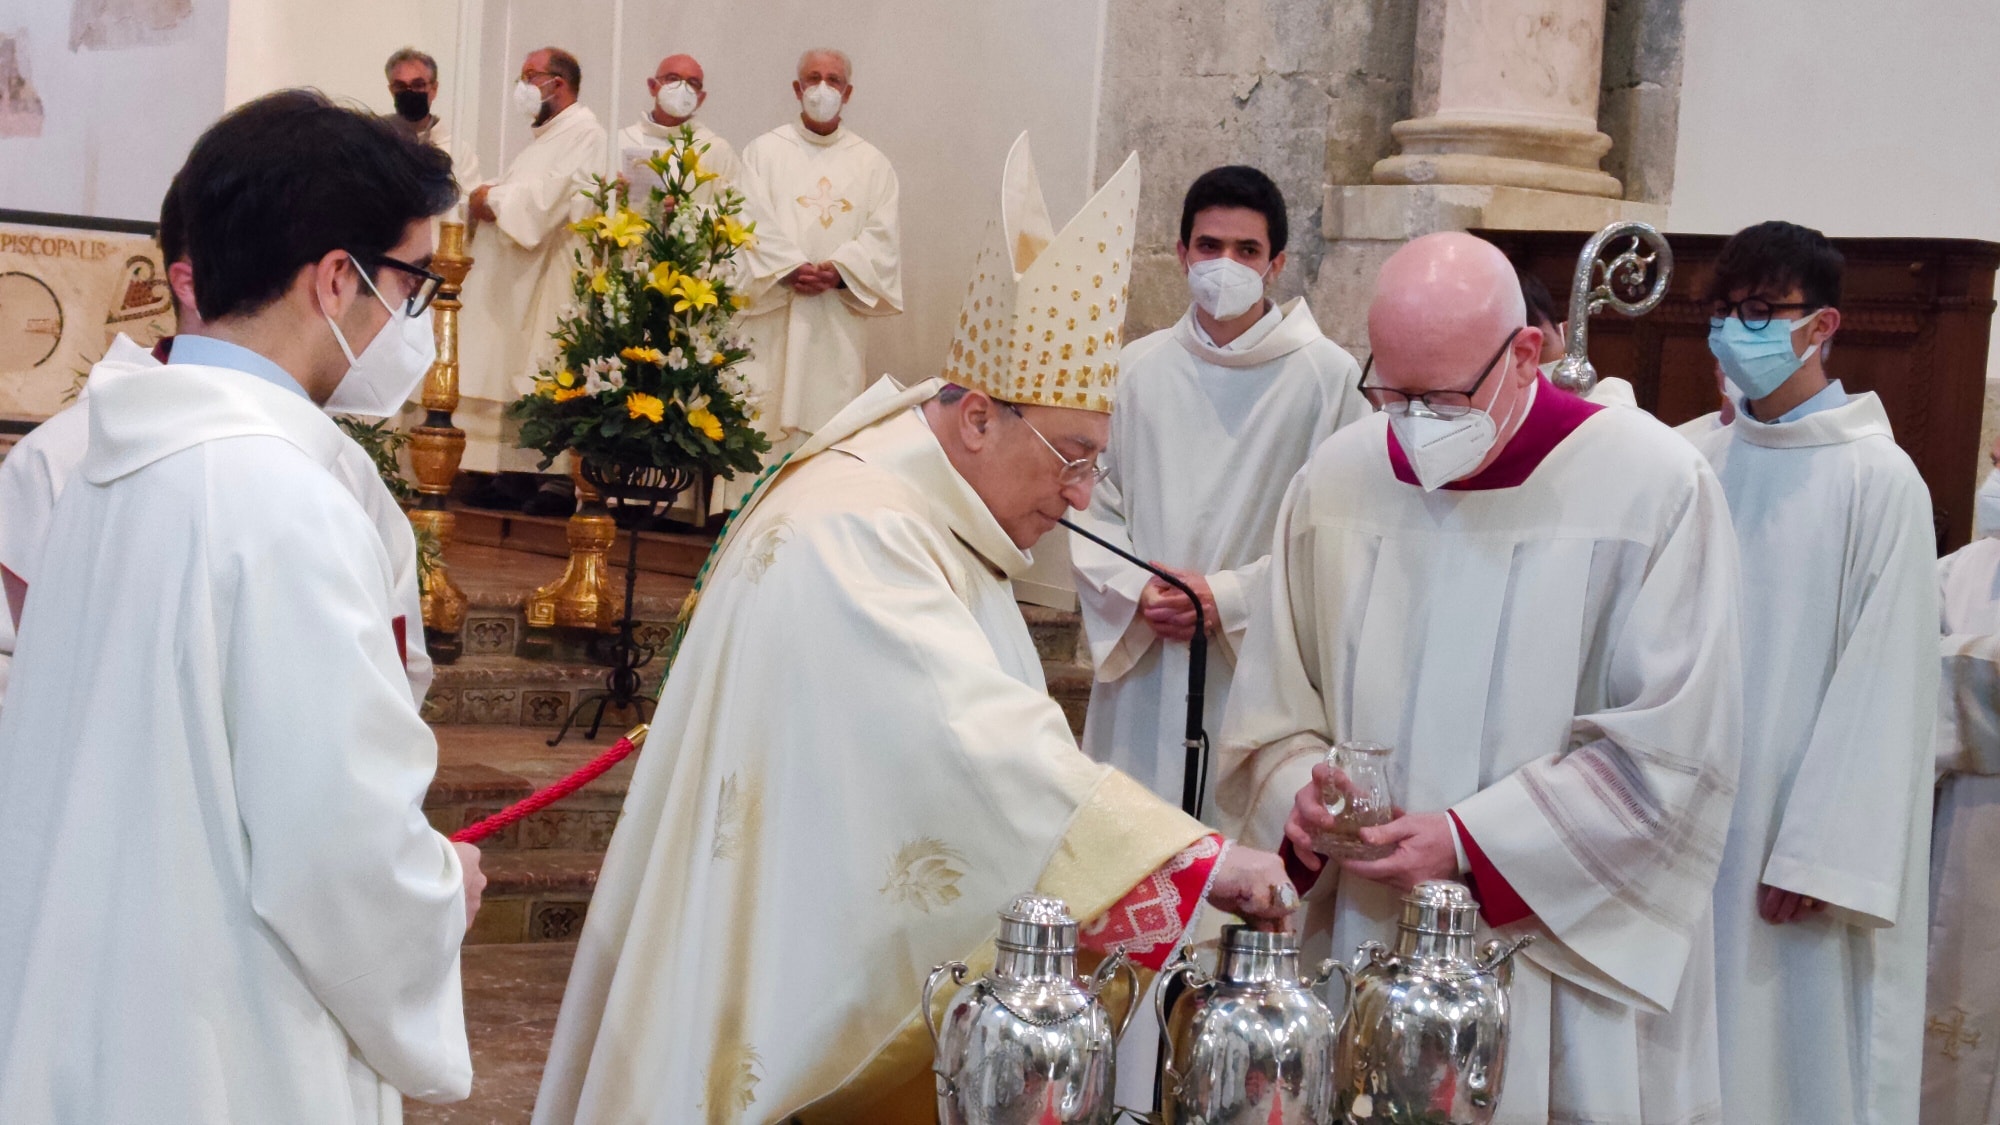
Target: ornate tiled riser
504, 631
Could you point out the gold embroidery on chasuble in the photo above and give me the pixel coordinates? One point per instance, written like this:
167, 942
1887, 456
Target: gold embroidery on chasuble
732, 1083
731, 808
924, 874
1952, 1034
825, 202
763, 550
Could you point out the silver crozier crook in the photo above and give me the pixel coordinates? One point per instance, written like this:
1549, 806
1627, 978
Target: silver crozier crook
1597, 285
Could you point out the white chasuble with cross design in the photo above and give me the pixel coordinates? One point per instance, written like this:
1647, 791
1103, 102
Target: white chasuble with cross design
816, 199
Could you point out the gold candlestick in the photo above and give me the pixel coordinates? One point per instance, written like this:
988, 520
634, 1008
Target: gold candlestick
582, 597
437, 446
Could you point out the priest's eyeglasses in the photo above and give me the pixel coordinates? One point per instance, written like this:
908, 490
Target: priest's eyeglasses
1079, 471
1754, 312
426, 291
1441, 404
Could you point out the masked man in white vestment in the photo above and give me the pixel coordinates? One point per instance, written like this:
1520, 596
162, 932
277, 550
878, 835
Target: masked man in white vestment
675, 91
43, 462
1820, 907
827, 258
211, 770
1533, 600
856, 763
1215, 415
1962, 1029
523, 253
414, 90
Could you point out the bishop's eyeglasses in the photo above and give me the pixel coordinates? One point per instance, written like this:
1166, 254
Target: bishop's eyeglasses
1079, 471
1443, 404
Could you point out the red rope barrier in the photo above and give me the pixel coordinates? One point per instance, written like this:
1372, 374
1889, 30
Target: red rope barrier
543, 798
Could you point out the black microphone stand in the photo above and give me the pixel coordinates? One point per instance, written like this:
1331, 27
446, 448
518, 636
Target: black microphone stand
1194, 741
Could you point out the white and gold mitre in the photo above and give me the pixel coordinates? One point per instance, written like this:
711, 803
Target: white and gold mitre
1043, 316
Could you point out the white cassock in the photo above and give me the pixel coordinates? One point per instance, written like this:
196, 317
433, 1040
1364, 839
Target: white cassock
646, 138
228, 904
520, 281
783, 878
44, 461
815, 199
1822, 1020
1557, 663
1962, 1028
1203, 442
1613, 391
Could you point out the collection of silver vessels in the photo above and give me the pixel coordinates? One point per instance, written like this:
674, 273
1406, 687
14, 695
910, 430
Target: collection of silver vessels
1421, 1038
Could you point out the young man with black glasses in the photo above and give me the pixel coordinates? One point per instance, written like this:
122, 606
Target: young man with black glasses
1820, 909
211, 766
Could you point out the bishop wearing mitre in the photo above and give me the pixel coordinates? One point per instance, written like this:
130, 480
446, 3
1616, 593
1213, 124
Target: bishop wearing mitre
857, 763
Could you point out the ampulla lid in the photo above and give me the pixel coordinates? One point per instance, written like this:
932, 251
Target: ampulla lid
1037, 924
1441, 906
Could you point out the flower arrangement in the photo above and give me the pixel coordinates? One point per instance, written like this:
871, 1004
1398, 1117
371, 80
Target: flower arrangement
646, 368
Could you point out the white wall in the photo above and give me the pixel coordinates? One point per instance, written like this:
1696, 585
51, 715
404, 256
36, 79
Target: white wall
338, 46
117, 123
941, 88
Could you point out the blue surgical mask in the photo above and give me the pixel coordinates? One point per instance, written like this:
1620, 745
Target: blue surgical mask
1757, 361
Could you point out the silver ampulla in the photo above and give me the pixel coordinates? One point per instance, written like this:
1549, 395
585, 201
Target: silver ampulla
1599, 284
1028, 1043
1425, 1032
1253, 1045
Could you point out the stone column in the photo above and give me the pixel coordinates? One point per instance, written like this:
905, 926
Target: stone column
1505, 93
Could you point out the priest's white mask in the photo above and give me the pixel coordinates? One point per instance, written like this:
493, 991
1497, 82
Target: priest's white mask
1986, 507
677, 99
1442, 450
527, 100
1225, 288
821, 102
388, 371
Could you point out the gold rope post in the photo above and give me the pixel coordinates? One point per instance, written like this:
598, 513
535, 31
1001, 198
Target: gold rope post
436, 447
583, 597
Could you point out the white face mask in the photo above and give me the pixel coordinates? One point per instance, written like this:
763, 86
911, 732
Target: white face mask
528, 100
821, 102
1225, 288
389, 370
1986, 507
677, 99
1442, 450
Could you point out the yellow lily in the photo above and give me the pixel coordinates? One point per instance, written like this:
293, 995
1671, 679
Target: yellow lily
663, 278
695, 294
565, 379
638, 404
600, 282
733, 229
644, 355
626, 228
739, 301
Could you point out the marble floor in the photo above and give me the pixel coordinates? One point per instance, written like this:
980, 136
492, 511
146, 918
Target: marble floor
512, 992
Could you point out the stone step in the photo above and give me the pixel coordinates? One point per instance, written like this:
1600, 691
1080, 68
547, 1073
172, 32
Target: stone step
482, 770
509, 690
512, 994
535, 895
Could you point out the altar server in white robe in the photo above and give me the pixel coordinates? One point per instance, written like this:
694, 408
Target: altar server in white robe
758, 943
1215, 415
826, 260
1961, 1081
230, 907
676, 90
524, 254
1820, 907
45, 460
1533, 600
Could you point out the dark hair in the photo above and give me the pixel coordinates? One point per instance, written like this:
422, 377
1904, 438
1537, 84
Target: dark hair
172, 235
282, 181
563, 65
1541, 305
1237, 185
1772, 257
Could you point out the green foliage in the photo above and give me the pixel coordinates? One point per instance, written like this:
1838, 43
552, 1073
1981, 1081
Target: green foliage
382, 441
646, 373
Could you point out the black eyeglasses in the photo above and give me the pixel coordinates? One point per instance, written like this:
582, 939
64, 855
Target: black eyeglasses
1073, 472
1444, 404
1754, 312
427, 282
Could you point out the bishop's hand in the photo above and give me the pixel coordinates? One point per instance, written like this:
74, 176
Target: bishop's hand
1253, 885
475, 879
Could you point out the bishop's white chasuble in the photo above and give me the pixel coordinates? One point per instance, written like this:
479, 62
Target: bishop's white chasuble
1551, 649
1822, 1019
1962, 1028
520, 281
815, 199
1203, 442
855, 765
228, 906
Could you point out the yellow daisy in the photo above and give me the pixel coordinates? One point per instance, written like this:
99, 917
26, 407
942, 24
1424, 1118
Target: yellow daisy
638, 404
644, 355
